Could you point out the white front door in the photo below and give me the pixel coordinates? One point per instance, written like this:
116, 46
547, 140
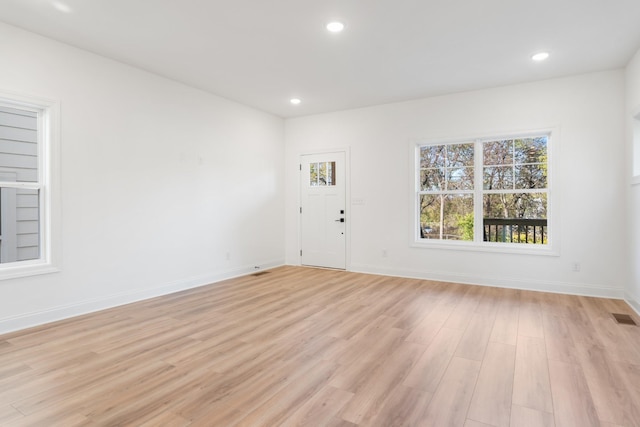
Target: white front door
323, 214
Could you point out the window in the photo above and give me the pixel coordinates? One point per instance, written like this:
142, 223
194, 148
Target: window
489, 192
446, 191
26, 196
635, 177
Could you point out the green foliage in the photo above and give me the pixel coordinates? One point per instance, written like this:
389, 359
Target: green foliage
465, 225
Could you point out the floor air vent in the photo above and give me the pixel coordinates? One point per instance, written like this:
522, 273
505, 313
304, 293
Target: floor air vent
260, 273
623, 319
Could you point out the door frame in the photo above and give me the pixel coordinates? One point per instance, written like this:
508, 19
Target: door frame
347, 202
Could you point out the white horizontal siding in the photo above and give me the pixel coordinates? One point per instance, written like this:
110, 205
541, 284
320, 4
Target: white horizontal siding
20, 148
19, 158
27, 199
31, 252
27, 240
18, 134
15, 118
27, 227
27, 214
18, 161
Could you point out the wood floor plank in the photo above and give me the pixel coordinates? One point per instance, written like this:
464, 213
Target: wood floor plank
451, 400
19, 387
531, 385
229, 398
304, 346
491, 401
558, 339
12, 369
428, 371
613, 402
572, 402
473, 423
630, 374
621, 341
527, 417
428, 328
530, 320
476, 337
165, 419
370, 354
414, 311
404, 407
583, 330
372, 392
321, 409
289, 399
505, 327
9, 414
460, 315
74, 420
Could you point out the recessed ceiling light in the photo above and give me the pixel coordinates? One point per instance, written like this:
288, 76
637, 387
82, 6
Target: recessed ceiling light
295, 101
61, 7
335, 26
540, 56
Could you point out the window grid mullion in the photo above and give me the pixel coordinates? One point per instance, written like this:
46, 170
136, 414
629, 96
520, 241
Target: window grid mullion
478, 160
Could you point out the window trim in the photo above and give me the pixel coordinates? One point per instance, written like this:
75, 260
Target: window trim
48, 184
550, 249
635, 146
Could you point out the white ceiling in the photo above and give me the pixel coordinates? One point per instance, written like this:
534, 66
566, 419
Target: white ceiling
264, 52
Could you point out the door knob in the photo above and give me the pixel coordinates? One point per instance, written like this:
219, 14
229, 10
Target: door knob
340, 220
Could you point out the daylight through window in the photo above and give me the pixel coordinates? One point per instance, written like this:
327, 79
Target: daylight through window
19, 185
486, 190
28, 195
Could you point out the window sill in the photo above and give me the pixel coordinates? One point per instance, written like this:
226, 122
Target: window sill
26, 269
504, 248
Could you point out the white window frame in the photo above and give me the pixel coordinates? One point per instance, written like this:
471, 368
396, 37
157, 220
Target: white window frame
48, 185
552, 248
635, 146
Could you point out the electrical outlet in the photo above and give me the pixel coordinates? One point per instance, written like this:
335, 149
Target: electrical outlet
575, 267
384, 253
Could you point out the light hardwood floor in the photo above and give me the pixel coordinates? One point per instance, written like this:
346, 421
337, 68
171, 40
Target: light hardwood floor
300, 346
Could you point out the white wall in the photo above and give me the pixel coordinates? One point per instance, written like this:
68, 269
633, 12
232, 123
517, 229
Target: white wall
633, 105
589, 182
159, 182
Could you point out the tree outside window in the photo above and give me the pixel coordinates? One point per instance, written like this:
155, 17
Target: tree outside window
498, 186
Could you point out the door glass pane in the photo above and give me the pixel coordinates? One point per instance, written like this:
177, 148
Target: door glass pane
322, 174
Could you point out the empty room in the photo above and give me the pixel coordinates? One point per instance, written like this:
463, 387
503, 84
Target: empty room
337, 213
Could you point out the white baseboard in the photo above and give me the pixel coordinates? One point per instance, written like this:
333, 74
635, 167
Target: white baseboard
28, 320
499, 282
633, 301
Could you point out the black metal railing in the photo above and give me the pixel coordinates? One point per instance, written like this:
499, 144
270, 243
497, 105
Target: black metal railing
515, 230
